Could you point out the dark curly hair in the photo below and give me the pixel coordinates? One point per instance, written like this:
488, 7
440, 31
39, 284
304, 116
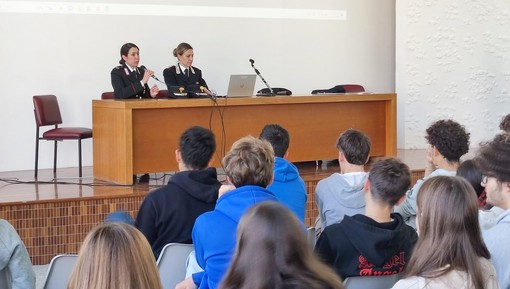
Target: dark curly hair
505, 123
450, 138
494, 156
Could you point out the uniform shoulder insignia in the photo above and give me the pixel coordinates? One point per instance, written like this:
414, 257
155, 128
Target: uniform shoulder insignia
118, 67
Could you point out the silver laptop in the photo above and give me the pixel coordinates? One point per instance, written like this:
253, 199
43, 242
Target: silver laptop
241, 85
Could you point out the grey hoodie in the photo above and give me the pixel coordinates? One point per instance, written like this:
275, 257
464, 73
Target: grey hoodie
339, 195
14, 258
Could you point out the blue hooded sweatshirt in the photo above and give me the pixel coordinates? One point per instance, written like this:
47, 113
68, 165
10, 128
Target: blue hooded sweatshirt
288, 187
214, 233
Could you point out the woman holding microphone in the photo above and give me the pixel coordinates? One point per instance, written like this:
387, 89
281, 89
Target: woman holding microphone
128, 80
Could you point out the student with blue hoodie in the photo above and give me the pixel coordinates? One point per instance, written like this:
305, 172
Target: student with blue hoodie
342, 193
288, 187
249, 170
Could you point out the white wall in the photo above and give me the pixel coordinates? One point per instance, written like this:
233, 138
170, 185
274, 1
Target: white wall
452, 61
70, 53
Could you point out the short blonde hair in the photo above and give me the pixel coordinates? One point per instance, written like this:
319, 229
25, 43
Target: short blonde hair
115, 255
250, 161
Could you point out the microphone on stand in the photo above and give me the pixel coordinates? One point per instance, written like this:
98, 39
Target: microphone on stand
270, 90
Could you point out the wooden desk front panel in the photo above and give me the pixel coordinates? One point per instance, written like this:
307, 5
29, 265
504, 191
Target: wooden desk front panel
151, 129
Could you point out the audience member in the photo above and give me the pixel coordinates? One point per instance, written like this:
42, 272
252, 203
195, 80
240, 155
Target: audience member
249, 170
447, 142
167, 215
450, 252
487, 214
115, 256
494, 161
342, 193
504, 125
272, 252
378, 242
288, 187
14, 258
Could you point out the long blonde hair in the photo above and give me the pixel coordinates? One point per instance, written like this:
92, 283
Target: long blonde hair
272, 252
115, 256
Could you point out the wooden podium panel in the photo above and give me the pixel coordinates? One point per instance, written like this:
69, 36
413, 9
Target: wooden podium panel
140, 136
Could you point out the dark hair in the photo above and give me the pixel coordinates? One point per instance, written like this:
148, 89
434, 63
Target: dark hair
272, 252
355, 146
181, 48
505, 123
197, 146
278, 137
124, 50
470, 171
389, 180
494, 156
450, 138
250, 161
448, 231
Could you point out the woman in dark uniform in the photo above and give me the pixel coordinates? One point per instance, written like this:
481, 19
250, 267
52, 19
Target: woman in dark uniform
128, 80
183, 74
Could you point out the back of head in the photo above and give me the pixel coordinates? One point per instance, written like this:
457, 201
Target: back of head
181, 48
469, 170
272, 252
355, 146
448, 230
494, 156
278, 137
250, 161
450, 138
197, 146
504, 125
389, 180
115, 256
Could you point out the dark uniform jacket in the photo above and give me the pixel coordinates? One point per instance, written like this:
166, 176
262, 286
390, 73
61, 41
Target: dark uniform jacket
126, 84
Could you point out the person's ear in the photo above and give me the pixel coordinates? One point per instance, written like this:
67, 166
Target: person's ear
341, 156
401, 200
286, 155
178, 157
366, 186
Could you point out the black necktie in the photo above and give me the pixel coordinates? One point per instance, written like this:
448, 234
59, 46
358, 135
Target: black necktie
135, 71
186, 72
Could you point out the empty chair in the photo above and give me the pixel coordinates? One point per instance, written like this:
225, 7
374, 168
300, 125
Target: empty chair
59, 271
372, 282
108, 95
172, 263
310, 236
47, 112
5, 279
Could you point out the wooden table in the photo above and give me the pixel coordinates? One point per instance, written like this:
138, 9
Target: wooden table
141, 136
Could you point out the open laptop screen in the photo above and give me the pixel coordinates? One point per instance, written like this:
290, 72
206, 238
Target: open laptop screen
241, 85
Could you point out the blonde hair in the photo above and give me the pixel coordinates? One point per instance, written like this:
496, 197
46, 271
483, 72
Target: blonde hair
115, 256
250, 161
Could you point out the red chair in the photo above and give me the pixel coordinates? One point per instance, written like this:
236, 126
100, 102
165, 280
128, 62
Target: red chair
353, 88
47, 113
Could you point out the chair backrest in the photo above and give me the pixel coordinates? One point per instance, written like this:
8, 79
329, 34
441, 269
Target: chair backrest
310, 236
353, 88
59, 271
172, 263
46, 110
5, 279
108, 95
372, 282
163, 93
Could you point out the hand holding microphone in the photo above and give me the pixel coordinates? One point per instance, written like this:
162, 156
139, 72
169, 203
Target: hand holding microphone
147, 74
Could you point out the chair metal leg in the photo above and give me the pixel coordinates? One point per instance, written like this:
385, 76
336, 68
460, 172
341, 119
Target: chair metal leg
55, 160
79, 156
36, 153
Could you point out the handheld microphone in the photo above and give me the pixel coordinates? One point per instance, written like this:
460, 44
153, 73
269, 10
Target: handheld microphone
272, 93
153, 76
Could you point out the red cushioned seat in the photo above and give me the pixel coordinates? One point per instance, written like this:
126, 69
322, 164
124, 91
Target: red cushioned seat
47, 112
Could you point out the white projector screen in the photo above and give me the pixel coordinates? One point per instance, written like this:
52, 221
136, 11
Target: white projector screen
68, 48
